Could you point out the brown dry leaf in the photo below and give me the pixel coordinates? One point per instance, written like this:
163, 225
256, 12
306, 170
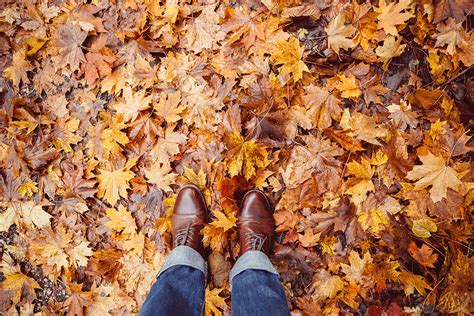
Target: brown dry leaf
68, 40
451, 34
17, 71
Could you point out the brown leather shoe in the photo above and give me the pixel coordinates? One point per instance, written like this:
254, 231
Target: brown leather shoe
188, 218
255, 224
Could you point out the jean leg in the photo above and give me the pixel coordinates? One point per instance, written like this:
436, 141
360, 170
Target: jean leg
180, 285
256, 288
177, 291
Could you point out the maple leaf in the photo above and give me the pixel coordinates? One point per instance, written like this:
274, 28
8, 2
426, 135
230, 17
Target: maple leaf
390, 49
29, 188
288, 54
214, 237
68, 40
348, 86
435, 173
214, 302
355, 271
451, 34
134, 103
339, 34
79, 254
245, 156
168, 107
64, 134
98, 61
402, 115
361, 183
423, 255
113, 184
309, 238
373, 219
161, 175
17, 71
29, 213
323, 106
223, 221
391, 15
120, 220
412, 281
204, 31
424, 227
362, 127
240, 21
167, 146
326, 285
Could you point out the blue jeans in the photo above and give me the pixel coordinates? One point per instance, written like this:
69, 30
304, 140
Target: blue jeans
180, 286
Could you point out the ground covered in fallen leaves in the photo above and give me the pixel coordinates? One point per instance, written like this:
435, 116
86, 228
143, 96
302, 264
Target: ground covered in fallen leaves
353, 117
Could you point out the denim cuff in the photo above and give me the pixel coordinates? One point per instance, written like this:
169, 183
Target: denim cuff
252, 259
184, 256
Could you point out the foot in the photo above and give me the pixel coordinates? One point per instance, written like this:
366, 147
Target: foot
188, 218
255, 224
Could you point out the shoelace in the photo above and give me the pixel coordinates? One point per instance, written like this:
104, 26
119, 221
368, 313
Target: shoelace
183, 234
256, 241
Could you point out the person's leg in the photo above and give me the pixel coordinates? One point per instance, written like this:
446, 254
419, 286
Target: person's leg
180, 285
256, 288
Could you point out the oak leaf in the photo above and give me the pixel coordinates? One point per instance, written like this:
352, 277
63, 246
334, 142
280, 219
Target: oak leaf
435, 173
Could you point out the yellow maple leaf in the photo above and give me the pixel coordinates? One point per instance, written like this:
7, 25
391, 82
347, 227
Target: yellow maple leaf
309, 238
213, 237
223, 221
373, 219
326, 285
435, 173
14, 281
339, 34
391, 15
112, 137
355, 271
133, 104
214, 302
113, 184
121, 220
288, 54
412, 281
245, 156
161, 175
168, 107
361, 182
79, 254
29, 188
348, 86
28, 213
390, 49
